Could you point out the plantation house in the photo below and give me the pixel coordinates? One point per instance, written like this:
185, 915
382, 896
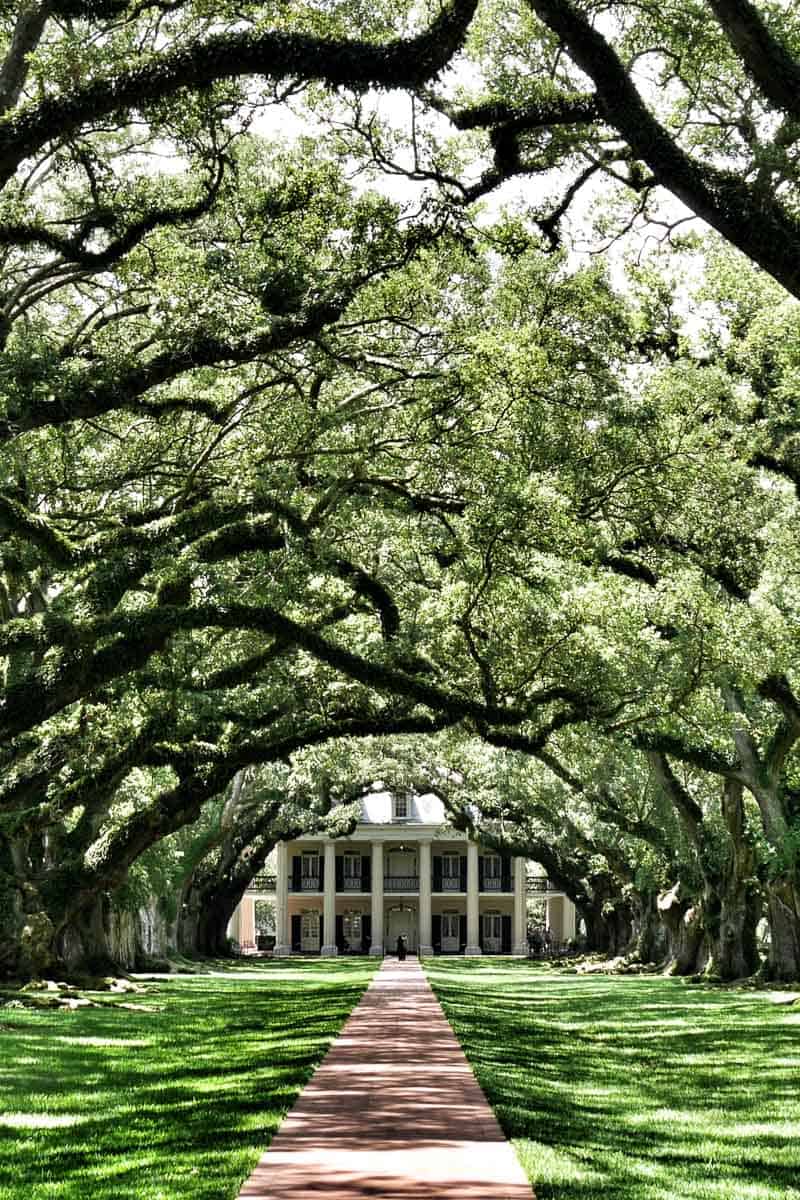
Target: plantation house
401, 872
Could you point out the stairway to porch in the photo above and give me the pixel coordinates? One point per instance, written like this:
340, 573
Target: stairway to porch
393, 1111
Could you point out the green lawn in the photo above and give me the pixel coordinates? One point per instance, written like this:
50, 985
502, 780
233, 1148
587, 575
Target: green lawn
175, 1098
631, 1088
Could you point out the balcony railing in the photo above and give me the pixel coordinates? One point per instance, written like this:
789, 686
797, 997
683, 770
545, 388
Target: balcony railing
307, 883
539, 884
401, 883
398, 883
262, 883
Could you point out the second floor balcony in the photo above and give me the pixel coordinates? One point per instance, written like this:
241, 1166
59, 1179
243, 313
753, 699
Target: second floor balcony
265, 881
401, 883
353, 876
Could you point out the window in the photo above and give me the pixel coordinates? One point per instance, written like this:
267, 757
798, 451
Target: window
310, 872
492, 928
450, 926
352, 873
451, 873
401, 806
492, 869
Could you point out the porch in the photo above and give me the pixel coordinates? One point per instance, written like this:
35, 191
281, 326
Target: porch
354, 925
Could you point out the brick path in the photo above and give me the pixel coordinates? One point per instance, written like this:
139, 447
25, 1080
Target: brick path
393, 1111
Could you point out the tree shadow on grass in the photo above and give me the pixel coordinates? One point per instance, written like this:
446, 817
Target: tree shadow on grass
633, 1088
114, 1104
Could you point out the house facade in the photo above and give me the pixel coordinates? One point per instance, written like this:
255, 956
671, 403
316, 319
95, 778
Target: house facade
402, 872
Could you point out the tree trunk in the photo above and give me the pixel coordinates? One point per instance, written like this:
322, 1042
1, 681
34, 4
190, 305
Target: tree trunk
733, 901
687, 951
83, 942
648, 940
608, 929
212, 930
783, 904
203, 925
734, 951
205, 912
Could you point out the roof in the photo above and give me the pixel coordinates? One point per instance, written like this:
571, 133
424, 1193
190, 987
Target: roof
377, 809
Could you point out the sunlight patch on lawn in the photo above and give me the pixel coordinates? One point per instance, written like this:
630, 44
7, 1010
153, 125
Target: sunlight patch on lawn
41, 1120
125, 1043
176, 1104
636, 1088
554, 1167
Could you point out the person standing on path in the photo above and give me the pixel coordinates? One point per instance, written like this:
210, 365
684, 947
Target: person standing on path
401, 948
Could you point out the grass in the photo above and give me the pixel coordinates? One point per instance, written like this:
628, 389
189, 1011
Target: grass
631, 1088
175, 1097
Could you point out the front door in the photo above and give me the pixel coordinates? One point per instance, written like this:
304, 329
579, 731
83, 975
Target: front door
401, 921
309, 934
451, 931
351, 931
492, 933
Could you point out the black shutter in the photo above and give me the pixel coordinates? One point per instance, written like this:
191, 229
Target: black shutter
437, 876
366, 874
464, 876
339, 873
297, 864
297, 932
462, 931
340, 934
366, 931
481, 872
436, 933
321, 864
505, 944
321, 931
505, 871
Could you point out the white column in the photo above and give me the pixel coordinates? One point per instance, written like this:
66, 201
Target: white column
519, 935
247, 923
377, 899
472, 948
282, 943
555, 917
425, 942
329, 904
570, 919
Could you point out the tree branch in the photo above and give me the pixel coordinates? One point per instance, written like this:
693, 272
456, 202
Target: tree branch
760, 226
402, 63
771, 65
31, 20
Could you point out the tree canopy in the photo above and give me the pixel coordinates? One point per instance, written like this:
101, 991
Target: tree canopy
289, 453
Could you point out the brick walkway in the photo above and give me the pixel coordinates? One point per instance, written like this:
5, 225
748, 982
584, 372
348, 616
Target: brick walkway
393, 1111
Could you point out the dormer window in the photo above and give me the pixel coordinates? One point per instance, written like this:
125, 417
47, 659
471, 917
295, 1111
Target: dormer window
401, 807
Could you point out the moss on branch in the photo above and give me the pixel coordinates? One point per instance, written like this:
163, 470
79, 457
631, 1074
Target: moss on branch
404, 62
